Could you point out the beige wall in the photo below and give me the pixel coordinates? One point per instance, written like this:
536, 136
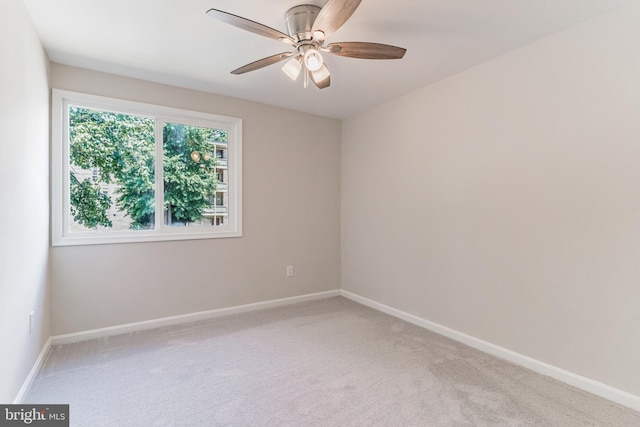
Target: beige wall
291, 187
24, 191
504, 202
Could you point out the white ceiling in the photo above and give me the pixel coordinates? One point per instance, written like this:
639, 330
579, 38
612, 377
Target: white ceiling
175, 42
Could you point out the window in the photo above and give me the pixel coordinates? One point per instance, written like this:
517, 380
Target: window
132, 172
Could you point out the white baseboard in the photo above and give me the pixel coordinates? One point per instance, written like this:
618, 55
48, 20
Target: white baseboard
594, 387
157, 323
185, 318
621, 397
34, 371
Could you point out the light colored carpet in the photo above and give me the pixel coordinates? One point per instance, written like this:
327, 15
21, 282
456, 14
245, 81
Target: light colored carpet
329, 362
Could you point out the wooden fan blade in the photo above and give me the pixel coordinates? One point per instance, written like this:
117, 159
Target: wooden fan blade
333, 15
366, 50
249, 25
255, 65
322, 77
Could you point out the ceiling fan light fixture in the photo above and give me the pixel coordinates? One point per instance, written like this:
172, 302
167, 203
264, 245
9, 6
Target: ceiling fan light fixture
313, 60
292, 68
308, 26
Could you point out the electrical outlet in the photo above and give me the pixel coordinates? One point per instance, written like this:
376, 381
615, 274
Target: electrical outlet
289, 270
31, 321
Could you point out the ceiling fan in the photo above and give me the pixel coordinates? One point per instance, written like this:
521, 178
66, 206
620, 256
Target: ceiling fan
308, 27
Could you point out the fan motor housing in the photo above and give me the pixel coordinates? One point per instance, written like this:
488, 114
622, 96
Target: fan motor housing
300, 20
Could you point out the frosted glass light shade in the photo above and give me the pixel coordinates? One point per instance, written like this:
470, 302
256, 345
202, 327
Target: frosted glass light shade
292, 68
313, 60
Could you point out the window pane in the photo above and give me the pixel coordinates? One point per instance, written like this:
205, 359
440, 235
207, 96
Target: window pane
194, 167
108, 172
111, 168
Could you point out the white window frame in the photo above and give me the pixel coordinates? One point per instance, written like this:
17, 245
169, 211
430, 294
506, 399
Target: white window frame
60, 203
